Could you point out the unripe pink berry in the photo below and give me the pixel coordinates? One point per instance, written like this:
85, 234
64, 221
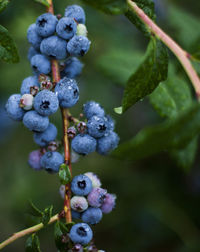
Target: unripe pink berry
79, 203
26, 102
109, 203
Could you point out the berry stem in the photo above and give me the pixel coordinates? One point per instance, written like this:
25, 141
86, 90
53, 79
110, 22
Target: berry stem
27, 231
182, 55
65, 116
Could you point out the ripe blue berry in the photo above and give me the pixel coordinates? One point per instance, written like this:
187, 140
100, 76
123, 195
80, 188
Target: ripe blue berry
13, 109
46, 102
97, 126
92, 108
66, 28
109, 203
68, 92
92, 215
43, 138
78, 45
73, 68
46, 24
27, 83
31, 52
33, 37
55, 47
33, 121
76, 12
81, 185
79, 203
75, 215
107, 143
94, 178
34, 160
41, 64
84, 144
96, 197
51, 161
111, 123
81, 233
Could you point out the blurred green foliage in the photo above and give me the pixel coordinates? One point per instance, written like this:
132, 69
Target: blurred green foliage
158, 203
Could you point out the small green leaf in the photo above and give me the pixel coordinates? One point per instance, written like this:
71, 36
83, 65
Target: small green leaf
47, 214
33, 244
3, 4
118, 110
60, 230
151, 72
114, 7
44, 2
8, 50
33, 210
64, 174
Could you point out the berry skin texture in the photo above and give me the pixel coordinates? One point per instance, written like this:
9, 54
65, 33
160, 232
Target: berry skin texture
13, 109
79, 203
81, 233
43, 138
33, 121
41, 64
92, 215
34, 160
92, 108
76, 12
75, 215
54, 47
96, 197
27, 83
26, 101
107, 143
67, 92
109, 203
95, 180
46, 24
51, 161
81, 185
78, 46
97, 126
33, 37
66, 28
31, 52
81, 30
84, 144
73, 68
46, 102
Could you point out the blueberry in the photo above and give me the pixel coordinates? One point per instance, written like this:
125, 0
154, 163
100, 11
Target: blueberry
109, 203
92, 215
51, 161
46, 24
96, 197
26, 101
13, 109
79, 203
62, 191
78, 45
41, 64
84, 144
75, 215
43, 138
31, 52
33, 121
81, 185
97, 126
76, 12
81, 233
54, 47
92, 108
68, 92
34, 160
66, 28
33, 37
111, 123
94, 178
46, 102
107, 143
27, 83
73, 68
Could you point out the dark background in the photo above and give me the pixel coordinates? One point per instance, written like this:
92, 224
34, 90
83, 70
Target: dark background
157, 202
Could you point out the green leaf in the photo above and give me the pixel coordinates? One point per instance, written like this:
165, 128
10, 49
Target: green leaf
60, 230
8, 50
151, 72
114, 7
172, 134
65, 174
33, 210
118, 110
148, 7
47, 214
3, 4
44, 2
33, 244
